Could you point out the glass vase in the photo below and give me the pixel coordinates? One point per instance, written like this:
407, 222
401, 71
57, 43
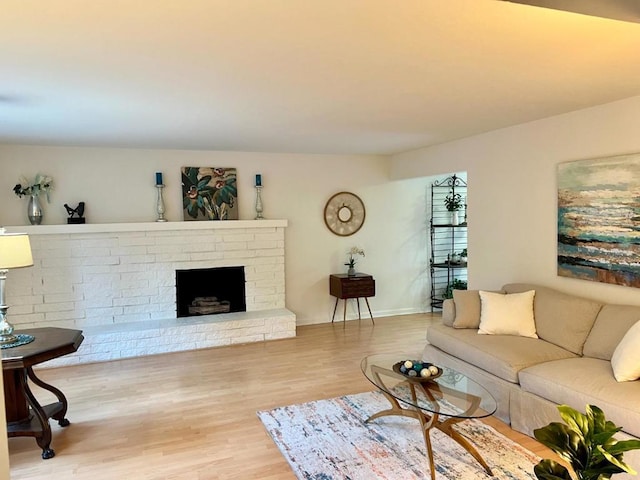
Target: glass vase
34, 210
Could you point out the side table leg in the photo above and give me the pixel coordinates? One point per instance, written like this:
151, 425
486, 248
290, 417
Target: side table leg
59, 416
370, 314
335, 307
344, 313
358, 302
44, 439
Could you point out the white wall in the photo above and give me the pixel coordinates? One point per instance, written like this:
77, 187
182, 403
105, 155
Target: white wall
512, 191
118, 186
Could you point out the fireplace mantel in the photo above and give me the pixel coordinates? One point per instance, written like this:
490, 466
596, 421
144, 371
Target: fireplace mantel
144, 227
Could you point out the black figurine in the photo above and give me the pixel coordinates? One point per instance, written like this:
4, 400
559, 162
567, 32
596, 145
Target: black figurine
79, 210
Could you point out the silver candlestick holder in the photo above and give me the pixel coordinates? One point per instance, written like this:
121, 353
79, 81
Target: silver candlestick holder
160, 205
259, 203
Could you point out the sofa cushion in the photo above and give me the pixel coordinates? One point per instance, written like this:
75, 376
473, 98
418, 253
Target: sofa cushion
467, 304
626, 357
501, 355
611, 325
510, 314
562, 319
448, 312
581, 381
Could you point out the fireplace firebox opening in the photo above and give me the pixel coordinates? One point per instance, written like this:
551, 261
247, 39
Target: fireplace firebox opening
210, 291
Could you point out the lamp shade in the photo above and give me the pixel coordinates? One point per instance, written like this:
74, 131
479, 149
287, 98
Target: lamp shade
15, 251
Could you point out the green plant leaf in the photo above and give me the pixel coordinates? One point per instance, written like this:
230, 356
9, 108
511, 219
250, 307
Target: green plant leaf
599, 421
623, 446
551, 470
576, 420
565, 442
615, 461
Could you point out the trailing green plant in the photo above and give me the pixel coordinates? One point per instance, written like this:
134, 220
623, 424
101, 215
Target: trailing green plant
453, 201
455, 284
586, 442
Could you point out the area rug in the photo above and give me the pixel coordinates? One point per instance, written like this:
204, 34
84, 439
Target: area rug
328, 440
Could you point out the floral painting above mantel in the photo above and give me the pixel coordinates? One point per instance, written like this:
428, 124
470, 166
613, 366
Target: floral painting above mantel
209, 193
599, 220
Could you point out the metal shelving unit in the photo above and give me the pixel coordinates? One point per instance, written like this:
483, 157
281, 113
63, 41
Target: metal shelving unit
447, 239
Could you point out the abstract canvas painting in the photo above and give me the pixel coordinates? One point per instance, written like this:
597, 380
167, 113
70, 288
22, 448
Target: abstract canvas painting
209, 193
599, 220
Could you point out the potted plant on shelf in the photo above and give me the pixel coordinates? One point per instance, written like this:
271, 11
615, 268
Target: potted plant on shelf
455, 284
463, 256
453, 202
586, 443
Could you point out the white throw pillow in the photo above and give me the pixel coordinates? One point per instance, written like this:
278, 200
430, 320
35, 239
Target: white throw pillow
626, 357
510, 314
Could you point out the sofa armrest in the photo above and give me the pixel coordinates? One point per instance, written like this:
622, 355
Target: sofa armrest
448, 312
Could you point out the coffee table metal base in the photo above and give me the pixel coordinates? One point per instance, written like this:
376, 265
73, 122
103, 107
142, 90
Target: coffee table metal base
429, 421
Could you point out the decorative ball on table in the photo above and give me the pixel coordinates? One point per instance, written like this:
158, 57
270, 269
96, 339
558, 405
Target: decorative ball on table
417, 368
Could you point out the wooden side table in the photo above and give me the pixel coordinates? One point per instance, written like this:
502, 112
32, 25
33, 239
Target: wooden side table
360, 285
25, 416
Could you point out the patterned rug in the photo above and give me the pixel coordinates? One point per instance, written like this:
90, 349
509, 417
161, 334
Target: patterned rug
328, 440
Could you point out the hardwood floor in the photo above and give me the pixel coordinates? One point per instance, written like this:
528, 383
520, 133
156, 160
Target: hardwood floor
192, 415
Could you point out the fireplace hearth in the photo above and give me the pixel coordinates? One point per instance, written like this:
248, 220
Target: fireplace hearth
210, 291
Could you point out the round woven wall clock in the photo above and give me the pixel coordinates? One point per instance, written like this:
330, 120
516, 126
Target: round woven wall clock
344, 214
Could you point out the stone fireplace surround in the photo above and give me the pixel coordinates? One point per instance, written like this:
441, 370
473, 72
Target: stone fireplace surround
116, 282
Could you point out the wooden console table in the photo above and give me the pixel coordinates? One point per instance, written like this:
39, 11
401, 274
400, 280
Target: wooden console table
25, 416
360, 285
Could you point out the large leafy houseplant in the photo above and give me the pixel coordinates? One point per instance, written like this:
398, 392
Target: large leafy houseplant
586, 442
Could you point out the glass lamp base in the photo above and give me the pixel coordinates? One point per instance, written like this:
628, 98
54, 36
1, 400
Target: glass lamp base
7, 339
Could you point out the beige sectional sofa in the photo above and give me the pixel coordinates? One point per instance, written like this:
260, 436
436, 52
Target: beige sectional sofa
570, 362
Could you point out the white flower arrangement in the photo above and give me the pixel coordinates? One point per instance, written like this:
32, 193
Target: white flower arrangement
41, 184
351, 263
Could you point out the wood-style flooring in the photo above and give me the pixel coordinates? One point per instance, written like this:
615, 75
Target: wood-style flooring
192, 415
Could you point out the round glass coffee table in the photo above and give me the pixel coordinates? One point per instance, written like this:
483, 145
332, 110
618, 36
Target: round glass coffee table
437, 403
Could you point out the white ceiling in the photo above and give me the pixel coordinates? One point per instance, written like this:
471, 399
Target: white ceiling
308, 76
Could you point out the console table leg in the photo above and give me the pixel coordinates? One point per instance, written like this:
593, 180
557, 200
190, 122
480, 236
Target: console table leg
358, 302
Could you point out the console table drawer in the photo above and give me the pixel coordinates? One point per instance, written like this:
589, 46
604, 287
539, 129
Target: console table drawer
343, 286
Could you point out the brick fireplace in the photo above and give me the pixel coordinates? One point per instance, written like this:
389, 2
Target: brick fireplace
117, 283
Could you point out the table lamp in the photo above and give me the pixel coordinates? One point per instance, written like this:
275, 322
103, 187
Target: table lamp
15, 252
